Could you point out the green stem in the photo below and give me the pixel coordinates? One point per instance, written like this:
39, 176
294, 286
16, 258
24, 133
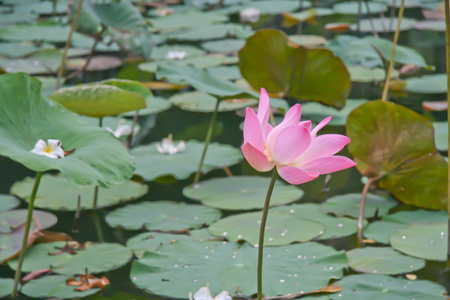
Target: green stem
391, 62
447, 52
26, 233
94, 204
261, 232
207, 141
98, 226
66, 48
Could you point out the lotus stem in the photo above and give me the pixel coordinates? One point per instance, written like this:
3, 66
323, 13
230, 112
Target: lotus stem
26, 233
361, 209
262, 231
207, 141
391, 62
66, 48
447, 54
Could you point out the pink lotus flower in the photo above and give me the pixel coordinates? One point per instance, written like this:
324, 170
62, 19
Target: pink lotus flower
299, 155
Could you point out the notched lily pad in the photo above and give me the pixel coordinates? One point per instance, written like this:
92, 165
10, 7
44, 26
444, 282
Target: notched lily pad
162, 215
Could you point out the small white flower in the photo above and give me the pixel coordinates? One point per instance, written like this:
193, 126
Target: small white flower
123, 129
176, 54
50, 149
250, 14
166, 146
204, 294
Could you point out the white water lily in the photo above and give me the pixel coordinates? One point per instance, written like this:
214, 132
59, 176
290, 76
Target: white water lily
250, 14
176, 54
52, 149
204, 294
123, 129
167, 146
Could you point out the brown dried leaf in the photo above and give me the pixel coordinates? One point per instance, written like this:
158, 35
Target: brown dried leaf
87, 282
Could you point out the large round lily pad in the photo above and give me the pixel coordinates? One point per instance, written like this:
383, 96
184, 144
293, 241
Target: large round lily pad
203, 102
162, 215
381, 231
184, 267
281, 228
349, 204
373, 286
8, 202
57, 193
412, 170
351, 8
382, 260
427, 84
151, 164
27, 116
6, 286
427, 241
241, 192
441, 135
382, 25
96, 257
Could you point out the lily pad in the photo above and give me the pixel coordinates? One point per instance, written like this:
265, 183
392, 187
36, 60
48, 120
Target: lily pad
441, 135
384, 24
192, 18
200, 62
371, 286
349, 204
317, 112
241, 192
275, 7
212, 31
412, 171
225, 45
150, 241
427, 84
96, 257
151, 164
58, 193
428, 241
184, 267
381, 231
226, 72
352, 8
382, 260
294, 70
154, 105
46, 33
160, 53
203, 102
14, 218
162, 215
6, 286
8, 202
281, 229
98, 158
54, 286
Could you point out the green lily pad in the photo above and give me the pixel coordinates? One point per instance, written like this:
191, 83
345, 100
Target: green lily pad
411, 170
366, 75
428, 241
162, 215
14, 218
352, 8
96, 257
441, 135
281, 229
200, 62
58, 193
151, 164
432, 25
308, 39
55, 286
6, 286
201, 80
8, 202
203, 102
45, 61
275, 7
192, 18
383, 25
381, 231
21, 49
150, 241
160, 53
226, 72
317, 112
154, 105
225, 45
241, 192
294, 70
334, 227
382, 260
210, 32
45, 33
98, 158
372, 286
427, 84
349, 204
184, 267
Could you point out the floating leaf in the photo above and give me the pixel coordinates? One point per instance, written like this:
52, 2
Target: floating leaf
46, 33
384, 24
96, 257
349, 204
381, 231
57, 193
162, 215
14, 218
428, 241
184, 267
161, 52
154, 105
99, 158
151, 164
381, 146
317, 112
203, 102
225, 45
241, 192
308, 40
274, 7
371, 286
427, 84
187, 19
294, 70
8, 202
201, 62
212, 31
6, 286
382, 260
226, 72
352, 8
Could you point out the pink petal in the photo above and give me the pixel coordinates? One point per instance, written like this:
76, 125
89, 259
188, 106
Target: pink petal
290, 143
322, 146
326, 165
263, 108
320, 126
306, 124
252, 130
257, 159
291, 118
296, 176
268, 130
